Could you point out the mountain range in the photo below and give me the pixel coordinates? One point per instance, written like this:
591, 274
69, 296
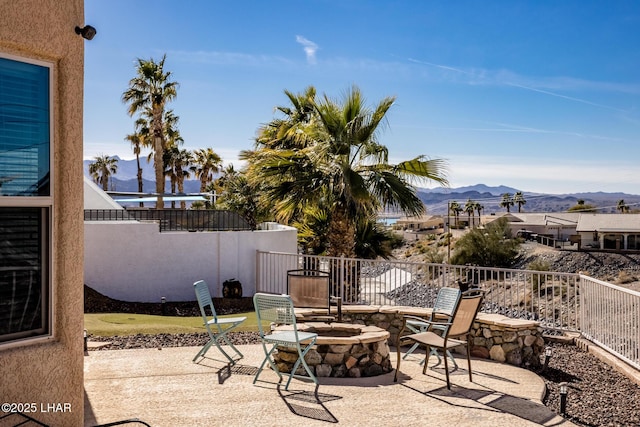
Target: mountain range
436, 199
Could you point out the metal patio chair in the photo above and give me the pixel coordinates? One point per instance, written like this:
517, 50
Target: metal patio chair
311, 289
446, 302
278, 309
456, 332
217, 327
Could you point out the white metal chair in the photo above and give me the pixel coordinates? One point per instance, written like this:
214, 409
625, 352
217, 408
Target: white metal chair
446, 302
278, 309
217, 327
456, 332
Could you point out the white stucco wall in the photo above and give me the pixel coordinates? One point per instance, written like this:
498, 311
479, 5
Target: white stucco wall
133, 261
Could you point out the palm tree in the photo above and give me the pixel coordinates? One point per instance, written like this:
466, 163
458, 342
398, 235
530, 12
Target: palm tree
519, 200
150, 90
479, 208
622, 206
506, 202
206, 163
330, 157
182, 159
102, 168
139, 139
470, 209
171, 160
455, 209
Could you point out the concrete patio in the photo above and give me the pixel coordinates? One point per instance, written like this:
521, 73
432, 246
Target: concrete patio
162, 387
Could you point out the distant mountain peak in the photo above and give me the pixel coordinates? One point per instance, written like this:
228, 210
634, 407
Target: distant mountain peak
480, 188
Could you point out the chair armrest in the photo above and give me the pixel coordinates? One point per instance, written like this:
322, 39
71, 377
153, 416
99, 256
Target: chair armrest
421, 320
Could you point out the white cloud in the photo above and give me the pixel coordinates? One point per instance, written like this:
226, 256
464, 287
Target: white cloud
310, 48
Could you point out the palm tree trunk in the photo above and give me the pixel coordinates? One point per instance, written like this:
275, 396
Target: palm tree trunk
158, 148
341, 234
139, 176
341, 242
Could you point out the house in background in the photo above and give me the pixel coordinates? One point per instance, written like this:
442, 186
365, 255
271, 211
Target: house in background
41, 93
584, 231
619, 232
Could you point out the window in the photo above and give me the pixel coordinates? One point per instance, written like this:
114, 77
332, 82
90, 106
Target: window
25, 200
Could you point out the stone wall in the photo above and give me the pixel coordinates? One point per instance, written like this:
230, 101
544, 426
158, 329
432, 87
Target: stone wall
496, 337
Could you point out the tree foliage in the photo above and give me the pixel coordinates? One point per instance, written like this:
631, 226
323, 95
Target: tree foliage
492, 246
324, 156
149, 92
102, 168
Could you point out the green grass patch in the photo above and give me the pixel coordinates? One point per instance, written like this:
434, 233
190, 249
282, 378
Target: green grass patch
110, 324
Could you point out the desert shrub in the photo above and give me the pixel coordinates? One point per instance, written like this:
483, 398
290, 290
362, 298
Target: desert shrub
624, 277
433, 255
492, 246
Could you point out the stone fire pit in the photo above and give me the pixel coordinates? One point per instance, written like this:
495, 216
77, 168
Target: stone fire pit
341, 350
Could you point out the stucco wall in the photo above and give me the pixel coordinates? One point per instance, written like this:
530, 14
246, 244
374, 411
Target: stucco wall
52, 372
133, 261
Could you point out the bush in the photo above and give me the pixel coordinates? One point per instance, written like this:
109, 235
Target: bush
624, 277
538, 280
492, 246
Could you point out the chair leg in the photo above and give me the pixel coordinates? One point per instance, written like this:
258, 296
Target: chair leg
411, 350
446, 369
267, 358
427, 353
203, 350
469, 358
398, 359
301, 354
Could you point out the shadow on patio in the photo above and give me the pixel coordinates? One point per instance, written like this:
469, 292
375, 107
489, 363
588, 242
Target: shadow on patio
162, 387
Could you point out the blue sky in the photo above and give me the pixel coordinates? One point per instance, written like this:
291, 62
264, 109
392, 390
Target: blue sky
542, 96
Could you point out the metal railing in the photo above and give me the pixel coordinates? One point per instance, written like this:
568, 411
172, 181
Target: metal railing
606, 314
174, 219
547, 297
610, 317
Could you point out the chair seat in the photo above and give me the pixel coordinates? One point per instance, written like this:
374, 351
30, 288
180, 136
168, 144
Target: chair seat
217, 327
289, 337
226, 320
434, 340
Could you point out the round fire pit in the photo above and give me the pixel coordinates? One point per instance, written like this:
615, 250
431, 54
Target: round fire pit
341, 350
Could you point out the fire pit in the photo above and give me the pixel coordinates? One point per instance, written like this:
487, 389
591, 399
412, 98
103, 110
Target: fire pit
341, 350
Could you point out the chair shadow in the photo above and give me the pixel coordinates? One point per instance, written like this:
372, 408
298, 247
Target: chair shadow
226, 371
492, 400
18, 419
465, 372
309, 404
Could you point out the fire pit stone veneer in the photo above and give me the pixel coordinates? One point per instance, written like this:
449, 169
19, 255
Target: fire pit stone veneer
341, 350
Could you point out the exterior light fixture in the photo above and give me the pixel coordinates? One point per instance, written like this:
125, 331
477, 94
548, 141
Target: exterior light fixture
163, 305
87, 32
547, 357
563, 398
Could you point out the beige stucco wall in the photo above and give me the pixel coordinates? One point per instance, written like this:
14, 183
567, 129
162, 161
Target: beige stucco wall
52, 372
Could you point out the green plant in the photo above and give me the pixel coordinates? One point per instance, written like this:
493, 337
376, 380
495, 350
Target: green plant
538, 279
492, 246
433, 255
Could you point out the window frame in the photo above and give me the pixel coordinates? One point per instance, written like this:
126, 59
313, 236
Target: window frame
46, 203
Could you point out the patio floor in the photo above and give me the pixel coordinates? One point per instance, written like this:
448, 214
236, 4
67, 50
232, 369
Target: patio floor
162, 387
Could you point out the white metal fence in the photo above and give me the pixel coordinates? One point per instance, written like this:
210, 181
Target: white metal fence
550, 298
604, 313
610, 317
